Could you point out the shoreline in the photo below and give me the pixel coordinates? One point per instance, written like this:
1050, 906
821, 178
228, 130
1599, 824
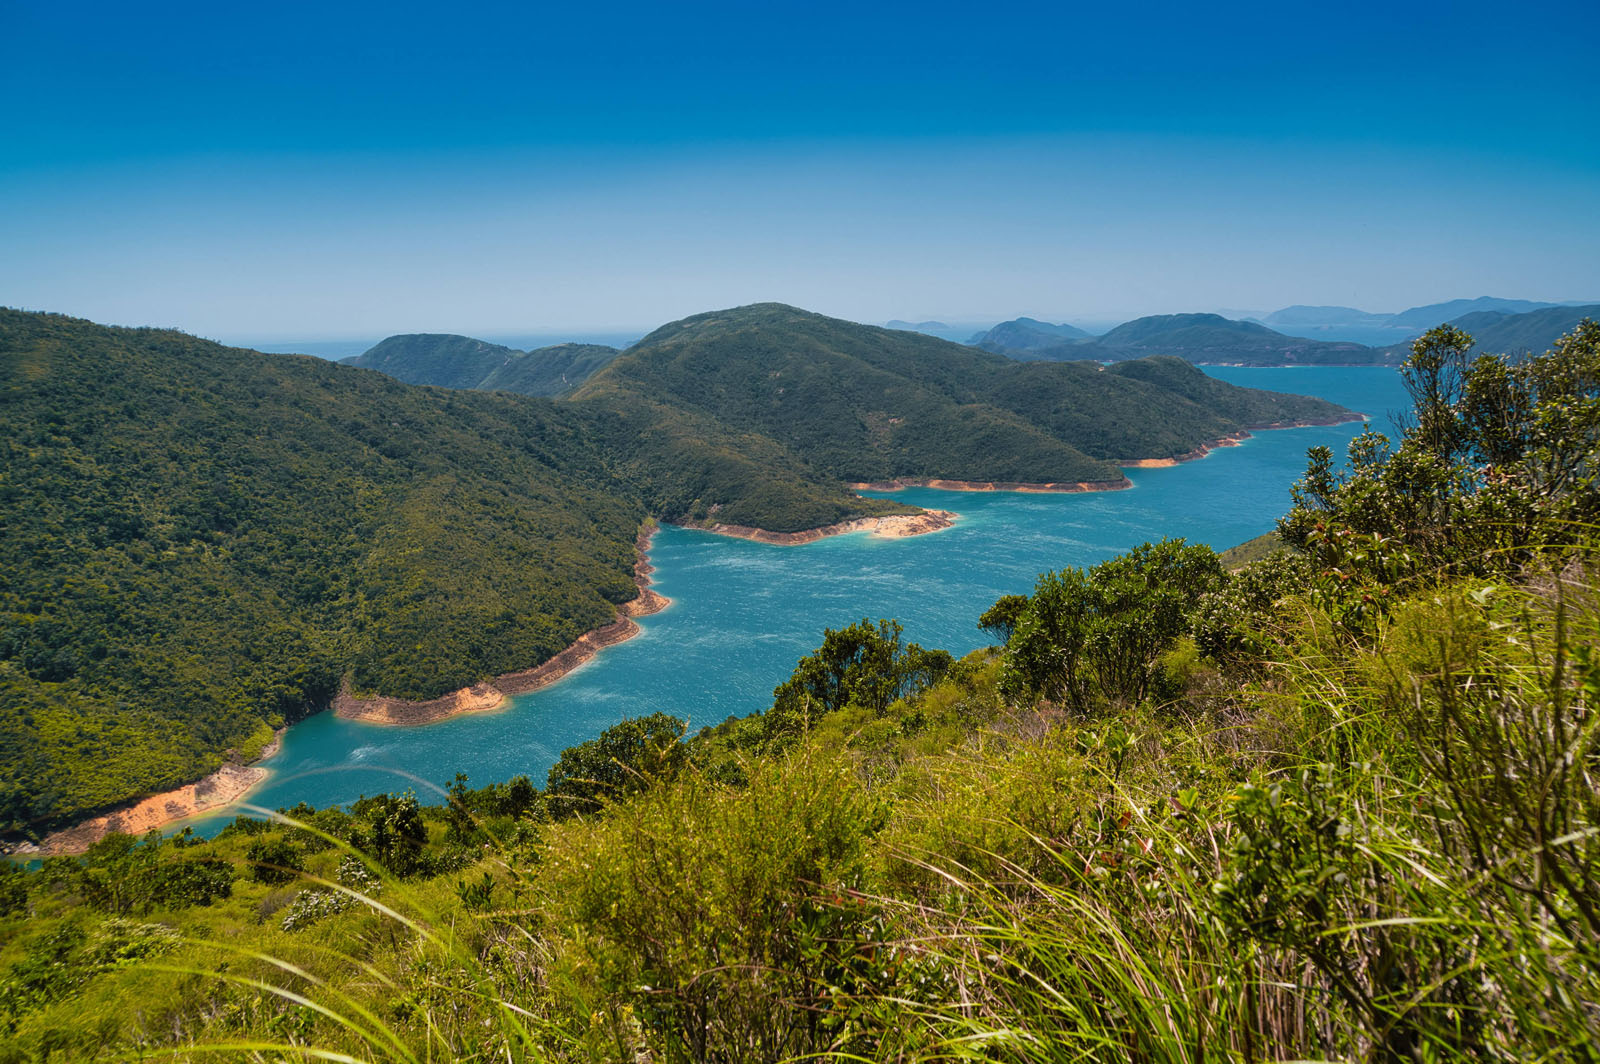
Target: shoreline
1233, 439
211, 792
992, 485
233, 780
493, 694
891, 526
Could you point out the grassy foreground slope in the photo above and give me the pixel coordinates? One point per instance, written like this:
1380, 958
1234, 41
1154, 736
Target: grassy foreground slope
861, 403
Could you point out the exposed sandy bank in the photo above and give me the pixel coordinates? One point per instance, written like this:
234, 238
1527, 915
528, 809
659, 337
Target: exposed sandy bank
992, 485
227, 784
492, 694
894, 526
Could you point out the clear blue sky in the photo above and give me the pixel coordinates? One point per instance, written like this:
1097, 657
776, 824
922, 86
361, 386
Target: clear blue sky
323, 170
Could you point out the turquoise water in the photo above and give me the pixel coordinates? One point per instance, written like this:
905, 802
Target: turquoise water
743, 612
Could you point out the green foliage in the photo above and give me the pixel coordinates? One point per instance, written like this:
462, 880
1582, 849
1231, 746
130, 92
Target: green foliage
863, 665
748, 943
398, 833
200, 542
1386, 851
633, 756
273, 859
1496, 468
1087, 637
1001, 618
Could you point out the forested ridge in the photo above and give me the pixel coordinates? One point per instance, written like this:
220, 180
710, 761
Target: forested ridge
867, 404
201, 543
1340, 804
461, 362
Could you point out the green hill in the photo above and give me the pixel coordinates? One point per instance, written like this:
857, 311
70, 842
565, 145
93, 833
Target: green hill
549, 370
1214, 339
435, 358
864, 404
462, 362
1023, 336
1499, 332
1426, 317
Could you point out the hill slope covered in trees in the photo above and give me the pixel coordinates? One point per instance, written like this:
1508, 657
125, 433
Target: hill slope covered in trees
200, 541
865, 404
461, 362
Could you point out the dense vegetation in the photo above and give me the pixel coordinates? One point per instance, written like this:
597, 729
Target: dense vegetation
864, 404
202, 543
462, 362
1341, 804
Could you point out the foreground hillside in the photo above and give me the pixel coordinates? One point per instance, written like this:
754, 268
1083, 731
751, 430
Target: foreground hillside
1340, 805
867, 404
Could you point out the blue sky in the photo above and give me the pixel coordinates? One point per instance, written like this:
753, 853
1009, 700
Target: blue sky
326, 170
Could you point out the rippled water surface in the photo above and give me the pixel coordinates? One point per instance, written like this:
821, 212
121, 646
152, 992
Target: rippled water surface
743, 612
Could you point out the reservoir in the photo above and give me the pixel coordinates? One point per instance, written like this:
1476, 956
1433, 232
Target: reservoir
742, 613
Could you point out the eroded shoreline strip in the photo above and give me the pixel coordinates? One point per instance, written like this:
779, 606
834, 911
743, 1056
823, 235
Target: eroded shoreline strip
991, 485
221, 788
233, 781
1233, 439
492, 694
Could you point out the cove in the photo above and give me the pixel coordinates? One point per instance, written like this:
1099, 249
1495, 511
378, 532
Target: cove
743, 612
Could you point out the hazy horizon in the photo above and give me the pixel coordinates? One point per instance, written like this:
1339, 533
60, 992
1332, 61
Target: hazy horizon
310, 173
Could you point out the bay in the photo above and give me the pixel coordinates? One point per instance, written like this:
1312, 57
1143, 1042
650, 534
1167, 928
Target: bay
743, 612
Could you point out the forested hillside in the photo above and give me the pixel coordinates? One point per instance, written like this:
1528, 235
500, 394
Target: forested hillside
461, 362
199, 542
865, 404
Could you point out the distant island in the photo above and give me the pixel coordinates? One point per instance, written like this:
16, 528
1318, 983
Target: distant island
206, 543
1279, 338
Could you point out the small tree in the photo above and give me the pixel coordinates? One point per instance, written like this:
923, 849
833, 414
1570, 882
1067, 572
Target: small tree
626, 758
864, 664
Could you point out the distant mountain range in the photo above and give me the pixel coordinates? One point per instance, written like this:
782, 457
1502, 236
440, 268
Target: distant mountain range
1504, 333
1384, 330
1213, 339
